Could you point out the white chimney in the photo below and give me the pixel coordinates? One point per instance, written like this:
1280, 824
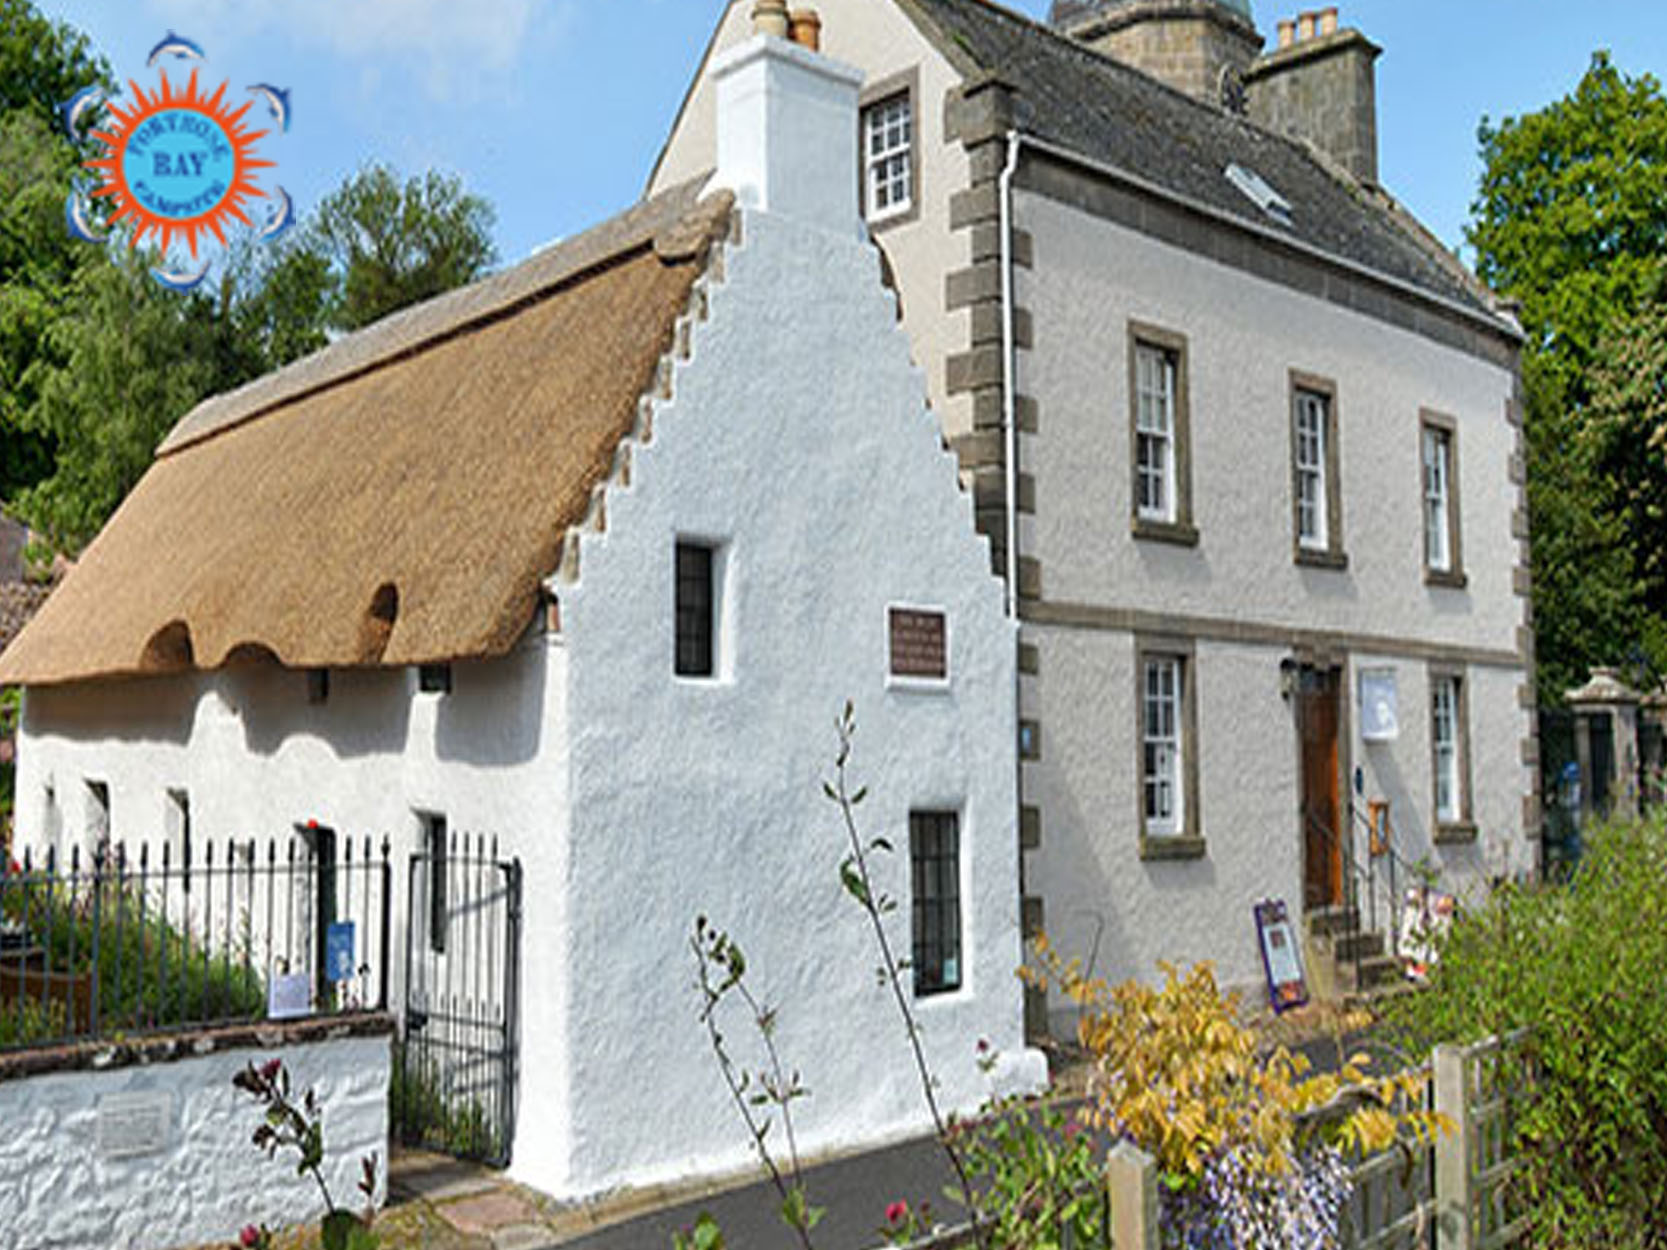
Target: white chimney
787, 132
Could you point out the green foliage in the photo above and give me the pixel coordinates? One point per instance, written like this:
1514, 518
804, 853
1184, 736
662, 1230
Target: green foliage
27, 1021
1042, 1178
1570, 219
292, 1123
393, 244
127, 360
150, 974
43, 62
704, 1234
429, 1119
1581, 965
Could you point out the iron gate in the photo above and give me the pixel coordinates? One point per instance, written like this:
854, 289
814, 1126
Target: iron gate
456, 1074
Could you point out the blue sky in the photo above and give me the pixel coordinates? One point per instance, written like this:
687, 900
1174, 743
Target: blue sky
555, 109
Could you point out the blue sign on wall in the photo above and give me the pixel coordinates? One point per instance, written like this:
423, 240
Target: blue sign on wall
339, 964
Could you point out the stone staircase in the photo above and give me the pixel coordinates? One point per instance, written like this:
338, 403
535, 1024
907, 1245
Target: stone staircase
1346, 963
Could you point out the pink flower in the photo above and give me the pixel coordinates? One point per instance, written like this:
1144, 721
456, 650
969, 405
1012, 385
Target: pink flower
249, 1237
897, 1212
270, 1069
1072, 1130
983, 1047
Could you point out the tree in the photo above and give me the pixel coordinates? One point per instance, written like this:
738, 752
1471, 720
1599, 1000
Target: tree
42, 64
392, 245
126, 360
1570, 219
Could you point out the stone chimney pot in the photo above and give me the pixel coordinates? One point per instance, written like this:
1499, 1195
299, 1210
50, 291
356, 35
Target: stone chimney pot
1328, 21
1287, 32
769, 17
1305, 25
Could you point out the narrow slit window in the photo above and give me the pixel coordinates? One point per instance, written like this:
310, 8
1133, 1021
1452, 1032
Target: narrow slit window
1162, 742
434, 834
1438, 500
1313, 524
434, 678
98, 815
1154, 433
935, 864
179, 831
1447, 749
696, 611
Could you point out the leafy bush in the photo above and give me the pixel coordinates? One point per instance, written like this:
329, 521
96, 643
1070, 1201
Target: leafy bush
1245, 1163
1582, 965
27, 1020
428, 1118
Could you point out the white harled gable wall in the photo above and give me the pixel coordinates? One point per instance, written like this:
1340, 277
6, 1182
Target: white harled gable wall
799, 440
880, 38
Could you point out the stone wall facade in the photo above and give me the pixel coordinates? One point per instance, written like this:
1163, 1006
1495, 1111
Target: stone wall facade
1322, 91
1188, 44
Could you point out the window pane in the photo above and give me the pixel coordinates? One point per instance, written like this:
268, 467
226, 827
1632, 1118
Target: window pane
694, 611
1437, 519
935, 871
1161, 751
888, 128
1311, 419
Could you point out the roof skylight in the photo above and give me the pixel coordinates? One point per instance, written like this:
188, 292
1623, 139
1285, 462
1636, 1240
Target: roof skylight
1259, 192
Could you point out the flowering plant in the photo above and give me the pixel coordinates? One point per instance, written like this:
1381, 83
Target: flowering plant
299, 1126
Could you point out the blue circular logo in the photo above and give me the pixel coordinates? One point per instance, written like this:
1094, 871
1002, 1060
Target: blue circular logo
179, 164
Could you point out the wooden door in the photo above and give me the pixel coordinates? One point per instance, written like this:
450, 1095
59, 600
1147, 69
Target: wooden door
1318, 719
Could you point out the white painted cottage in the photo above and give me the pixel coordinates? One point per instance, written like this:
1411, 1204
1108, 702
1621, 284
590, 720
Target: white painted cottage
590, 555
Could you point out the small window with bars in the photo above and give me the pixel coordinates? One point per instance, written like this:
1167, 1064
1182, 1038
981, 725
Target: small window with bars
935, 863
1311, 438
1155, 369
1162, 745
888, 157
696, 610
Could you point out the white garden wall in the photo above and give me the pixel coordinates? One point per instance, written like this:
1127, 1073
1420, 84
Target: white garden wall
153, 1151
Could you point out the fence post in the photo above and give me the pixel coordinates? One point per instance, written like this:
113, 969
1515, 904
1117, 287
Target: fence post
1132, 1181
1454, 1201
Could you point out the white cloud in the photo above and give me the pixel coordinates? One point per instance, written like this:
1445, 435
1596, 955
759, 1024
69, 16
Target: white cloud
448, 41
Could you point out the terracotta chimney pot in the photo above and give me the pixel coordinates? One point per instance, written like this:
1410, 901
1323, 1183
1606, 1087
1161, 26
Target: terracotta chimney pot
1305, 25
769, 17
805, 29
1328, 21
1287, 32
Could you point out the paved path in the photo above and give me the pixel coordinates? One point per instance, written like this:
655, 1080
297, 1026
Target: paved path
472, 1209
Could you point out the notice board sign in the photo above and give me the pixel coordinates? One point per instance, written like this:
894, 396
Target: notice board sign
1281, 956
919, 643
339, 965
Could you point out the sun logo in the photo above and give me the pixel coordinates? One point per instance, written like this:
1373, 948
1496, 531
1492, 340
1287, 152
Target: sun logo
177, 165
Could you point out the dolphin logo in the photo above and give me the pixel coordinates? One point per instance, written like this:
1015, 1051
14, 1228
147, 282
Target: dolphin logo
173, 45
76, 109
277, 101
179, 279
281, 218
75, 217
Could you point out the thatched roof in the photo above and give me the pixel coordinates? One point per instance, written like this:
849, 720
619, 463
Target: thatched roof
399, 497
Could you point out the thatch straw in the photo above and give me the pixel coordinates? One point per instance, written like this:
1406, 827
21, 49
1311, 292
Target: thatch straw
399, 497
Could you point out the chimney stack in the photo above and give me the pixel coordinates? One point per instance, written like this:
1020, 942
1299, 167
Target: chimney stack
1189, 44
1320, 86
787, 124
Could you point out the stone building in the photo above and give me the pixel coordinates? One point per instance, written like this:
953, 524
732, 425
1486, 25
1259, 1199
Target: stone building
1246, 441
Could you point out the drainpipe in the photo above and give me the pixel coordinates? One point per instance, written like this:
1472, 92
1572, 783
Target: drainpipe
1009, 385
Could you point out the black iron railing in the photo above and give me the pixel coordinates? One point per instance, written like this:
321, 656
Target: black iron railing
124, 942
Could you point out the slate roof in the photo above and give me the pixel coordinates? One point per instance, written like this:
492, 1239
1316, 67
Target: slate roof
1073, 97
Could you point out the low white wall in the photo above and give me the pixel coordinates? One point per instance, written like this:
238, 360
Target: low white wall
155, 1155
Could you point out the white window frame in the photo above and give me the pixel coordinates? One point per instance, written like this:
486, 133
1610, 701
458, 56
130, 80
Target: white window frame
1163, 744
1446, 747
888, 156
1155, 394
1310, 440
1438, 500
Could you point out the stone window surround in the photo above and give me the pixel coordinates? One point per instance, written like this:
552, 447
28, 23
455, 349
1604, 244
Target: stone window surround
1189, 842
1332, 555
1462, 830
1181, 530
1453, 576
906, 83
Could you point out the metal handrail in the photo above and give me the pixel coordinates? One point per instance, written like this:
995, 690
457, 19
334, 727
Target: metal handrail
1352, 874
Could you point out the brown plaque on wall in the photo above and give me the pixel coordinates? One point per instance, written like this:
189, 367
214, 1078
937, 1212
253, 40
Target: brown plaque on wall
919, 644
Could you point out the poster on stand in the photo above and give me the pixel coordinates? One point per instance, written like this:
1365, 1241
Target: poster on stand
1281, 956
